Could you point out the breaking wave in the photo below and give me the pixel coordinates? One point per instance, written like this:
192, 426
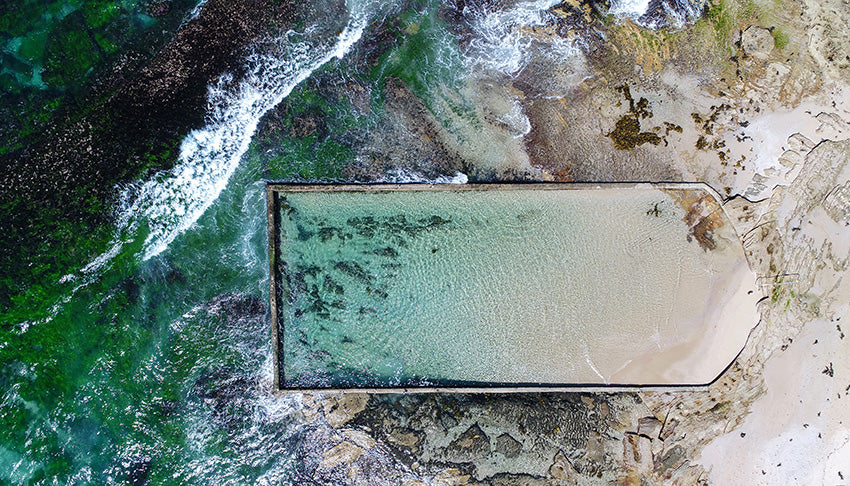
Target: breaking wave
656, 14
504, 40
170, 202
629, 8
406, 176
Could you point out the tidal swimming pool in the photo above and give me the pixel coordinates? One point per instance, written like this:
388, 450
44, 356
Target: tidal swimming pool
505, 285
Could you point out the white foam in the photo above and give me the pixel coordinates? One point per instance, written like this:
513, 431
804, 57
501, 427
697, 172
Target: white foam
683, 13
172, 201
502, 42
517, 120
195, 11
407, 176
629, 8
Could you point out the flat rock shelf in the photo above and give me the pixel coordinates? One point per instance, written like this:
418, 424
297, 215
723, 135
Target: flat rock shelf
504, 287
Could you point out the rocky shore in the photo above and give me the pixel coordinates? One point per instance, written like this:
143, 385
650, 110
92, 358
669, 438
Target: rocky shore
752, 99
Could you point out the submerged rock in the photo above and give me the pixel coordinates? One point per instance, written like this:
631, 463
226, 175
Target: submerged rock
472, 442
507, 445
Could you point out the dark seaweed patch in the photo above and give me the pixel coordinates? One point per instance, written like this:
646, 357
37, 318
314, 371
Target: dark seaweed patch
376, 292
331, 286
355, 270
627, 132
388, 252
302, 233
326, 233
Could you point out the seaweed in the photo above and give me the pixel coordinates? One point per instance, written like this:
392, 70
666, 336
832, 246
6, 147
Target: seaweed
627, 132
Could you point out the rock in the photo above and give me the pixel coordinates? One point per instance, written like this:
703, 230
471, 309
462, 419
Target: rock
311, 407
236, 306
673, 458
404, 437
561, 468
650, 427
410, 124
361, 438
470, 443
757, 42
414, 482
637, 455
447, 421
832, 126
343, 453
139, 471
175, 82
508, 446
341, 409
450, 477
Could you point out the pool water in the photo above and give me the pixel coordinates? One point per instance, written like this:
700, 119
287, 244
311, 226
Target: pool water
509, 286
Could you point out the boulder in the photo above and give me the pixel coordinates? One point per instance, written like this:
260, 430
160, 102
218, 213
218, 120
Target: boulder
561, 468
341, 409
757, 42
343, 453
649, 427
473, 442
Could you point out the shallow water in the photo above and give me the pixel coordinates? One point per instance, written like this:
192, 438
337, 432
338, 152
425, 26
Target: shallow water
562, 286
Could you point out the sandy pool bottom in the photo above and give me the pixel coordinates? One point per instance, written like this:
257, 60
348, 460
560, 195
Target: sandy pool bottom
509, 286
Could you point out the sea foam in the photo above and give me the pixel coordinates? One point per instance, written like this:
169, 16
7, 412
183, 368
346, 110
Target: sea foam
629, 8
172, 201
501, 39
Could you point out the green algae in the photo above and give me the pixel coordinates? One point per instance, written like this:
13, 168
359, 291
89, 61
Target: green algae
70, 57
428, 61
101, 12
780, 38
52, 51
722, 19
32, 46
105, 375
71, 44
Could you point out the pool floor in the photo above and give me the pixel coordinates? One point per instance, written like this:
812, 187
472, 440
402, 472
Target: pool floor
408, 286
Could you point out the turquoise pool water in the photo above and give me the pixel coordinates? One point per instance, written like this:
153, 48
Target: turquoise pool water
507, 286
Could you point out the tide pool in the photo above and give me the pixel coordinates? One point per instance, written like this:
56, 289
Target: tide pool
479, 285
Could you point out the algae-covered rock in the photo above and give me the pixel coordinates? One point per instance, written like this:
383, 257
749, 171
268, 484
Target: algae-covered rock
70, 52
472, 442
507, 445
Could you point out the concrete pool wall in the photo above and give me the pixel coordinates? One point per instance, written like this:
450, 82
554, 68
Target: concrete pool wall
639, 313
